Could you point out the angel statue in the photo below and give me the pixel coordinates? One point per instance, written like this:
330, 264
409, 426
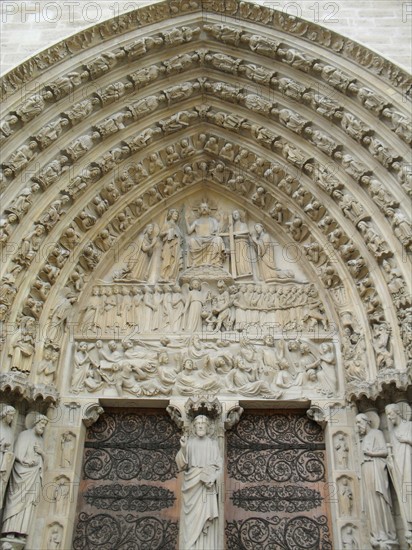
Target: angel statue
195, 299
206, 247
172, 247
265, 253
139, 266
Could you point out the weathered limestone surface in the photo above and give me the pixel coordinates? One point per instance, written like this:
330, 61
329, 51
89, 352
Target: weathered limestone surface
207, 202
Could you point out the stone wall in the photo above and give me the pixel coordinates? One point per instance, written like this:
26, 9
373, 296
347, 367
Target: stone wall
30, 26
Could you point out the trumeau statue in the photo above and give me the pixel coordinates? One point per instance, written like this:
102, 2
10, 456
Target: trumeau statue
200, 460
26, 478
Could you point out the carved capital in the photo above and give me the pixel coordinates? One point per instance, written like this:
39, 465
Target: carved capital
233, 417
318, 414
45, 392
176, 415
92, 414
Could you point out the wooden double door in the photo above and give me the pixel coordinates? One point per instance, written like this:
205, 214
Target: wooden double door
274, 496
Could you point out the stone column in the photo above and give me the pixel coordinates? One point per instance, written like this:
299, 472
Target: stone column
56, 515
343, 471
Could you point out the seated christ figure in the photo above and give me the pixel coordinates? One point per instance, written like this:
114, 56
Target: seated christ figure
206, 247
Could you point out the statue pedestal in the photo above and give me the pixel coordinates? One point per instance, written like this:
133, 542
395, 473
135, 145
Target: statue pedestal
9, 543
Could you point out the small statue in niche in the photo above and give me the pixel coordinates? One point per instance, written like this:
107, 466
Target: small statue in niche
341, 452
206, 247
375, 485
61, 495
171, 236
349, 540
26, 478
345, 497
48, 365
67, 446
54, 540
200, 460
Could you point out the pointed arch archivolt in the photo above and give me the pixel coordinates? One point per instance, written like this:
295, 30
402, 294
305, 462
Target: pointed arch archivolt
329, 128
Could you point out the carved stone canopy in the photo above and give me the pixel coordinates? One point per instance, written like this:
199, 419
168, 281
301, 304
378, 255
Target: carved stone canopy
203, 406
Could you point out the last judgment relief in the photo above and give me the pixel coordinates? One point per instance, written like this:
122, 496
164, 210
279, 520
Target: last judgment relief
204, 300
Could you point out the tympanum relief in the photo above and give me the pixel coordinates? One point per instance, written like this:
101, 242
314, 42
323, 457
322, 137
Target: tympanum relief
204, 300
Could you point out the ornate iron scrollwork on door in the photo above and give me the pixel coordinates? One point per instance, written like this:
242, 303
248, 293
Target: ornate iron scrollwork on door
277, 533
115, 509
276, 463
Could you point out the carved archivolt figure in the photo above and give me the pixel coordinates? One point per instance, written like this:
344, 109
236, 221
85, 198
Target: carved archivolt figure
172, 247
327, 372
25, 483
375, 484
400, 433
206, 246
23, 345
200, 459
7, 414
